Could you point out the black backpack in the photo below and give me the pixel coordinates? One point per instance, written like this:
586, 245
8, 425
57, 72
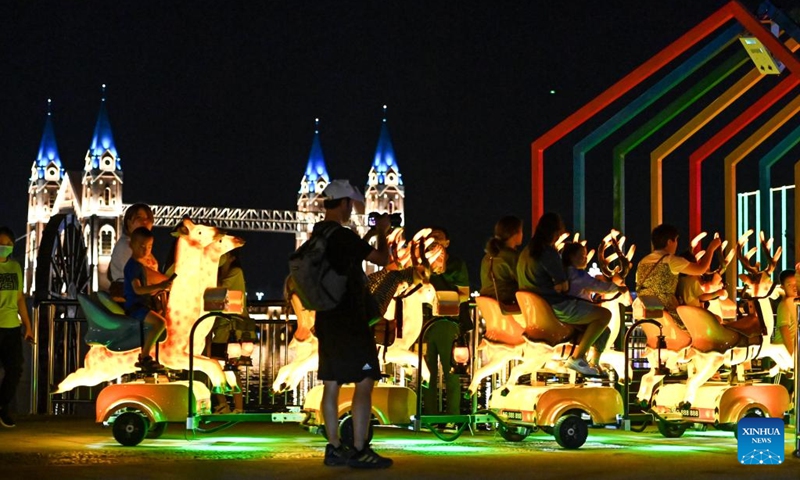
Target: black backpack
317, 284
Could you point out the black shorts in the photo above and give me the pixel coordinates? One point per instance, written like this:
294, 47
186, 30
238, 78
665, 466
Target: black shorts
347, 353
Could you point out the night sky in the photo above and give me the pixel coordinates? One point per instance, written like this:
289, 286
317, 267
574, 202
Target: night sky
213, 103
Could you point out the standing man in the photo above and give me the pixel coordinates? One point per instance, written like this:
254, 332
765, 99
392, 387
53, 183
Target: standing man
347, 351
449, 274
13, 316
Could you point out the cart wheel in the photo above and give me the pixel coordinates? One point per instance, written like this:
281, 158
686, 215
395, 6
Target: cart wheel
570, 431
130, 428
513, 433
700, 427
157, 430
671, 429
346, 433
448, 433
752, 413
62, 270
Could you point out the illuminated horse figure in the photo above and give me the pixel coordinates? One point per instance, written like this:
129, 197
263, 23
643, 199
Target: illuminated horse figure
715, 344
197, 257
305, 344
540, 338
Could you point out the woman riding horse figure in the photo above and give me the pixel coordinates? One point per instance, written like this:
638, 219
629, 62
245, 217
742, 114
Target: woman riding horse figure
657, 273
541, 271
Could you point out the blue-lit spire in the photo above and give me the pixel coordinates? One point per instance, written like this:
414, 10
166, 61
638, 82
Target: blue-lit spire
48, 149
103, 138
384, 154
315, 169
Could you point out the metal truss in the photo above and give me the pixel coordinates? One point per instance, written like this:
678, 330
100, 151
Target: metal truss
241, 219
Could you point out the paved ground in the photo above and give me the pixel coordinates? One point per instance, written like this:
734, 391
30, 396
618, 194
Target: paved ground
76, 448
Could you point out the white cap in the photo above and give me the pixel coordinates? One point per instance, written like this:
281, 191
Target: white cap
342, 189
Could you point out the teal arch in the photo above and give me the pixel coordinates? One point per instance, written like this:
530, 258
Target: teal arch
655, 92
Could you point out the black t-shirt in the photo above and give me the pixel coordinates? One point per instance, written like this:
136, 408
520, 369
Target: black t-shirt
346, 251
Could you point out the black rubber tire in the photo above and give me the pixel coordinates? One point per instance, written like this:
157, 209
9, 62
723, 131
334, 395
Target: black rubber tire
130, 428
752, 413
671, 429
346, 434
512, 433
156, 430
570, 432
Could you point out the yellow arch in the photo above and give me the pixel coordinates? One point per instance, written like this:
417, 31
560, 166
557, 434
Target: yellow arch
738, 155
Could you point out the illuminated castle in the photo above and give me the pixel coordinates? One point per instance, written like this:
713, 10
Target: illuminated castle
87, 202
77, 215
384, 192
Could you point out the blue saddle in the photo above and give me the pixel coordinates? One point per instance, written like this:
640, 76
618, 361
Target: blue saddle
109, 326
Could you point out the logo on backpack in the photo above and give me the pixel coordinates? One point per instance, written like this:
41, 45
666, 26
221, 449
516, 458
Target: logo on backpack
317, 284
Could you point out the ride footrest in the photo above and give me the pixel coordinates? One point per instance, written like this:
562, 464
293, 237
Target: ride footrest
671, 416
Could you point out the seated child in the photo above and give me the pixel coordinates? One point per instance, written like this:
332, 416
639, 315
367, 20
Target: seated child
139, 293
583, 286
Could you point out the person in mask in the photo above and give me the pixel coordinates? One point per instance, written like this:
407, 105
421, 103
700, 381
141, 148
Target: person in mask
13, 317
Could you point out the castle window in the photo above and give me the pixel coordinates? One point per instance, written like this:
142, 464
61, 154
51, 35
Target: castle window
106, 239
391, 207
51, 200
107, 196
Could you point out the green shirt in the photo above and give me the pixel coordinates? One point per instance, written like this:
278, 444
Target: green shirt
455, 275
504, 268
10, 286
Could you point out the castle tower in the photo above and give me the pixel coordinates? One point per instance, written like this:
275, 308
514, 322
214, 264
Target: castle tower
385, 192
101, 197
314, 181
47, 174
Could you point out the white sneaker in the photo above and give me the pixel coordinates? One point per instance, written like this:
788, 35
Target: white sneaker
582, 367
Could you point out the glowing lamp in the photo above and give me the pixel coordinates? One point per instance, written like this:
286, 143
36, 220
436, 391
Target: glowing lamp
446, 304
245, 359
460, 356
223, 300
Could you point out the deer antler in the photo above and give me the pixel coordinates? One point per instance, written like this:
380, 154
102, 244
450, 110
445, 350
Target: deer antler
561, 241
744, 256
773, 259
396, 242
624, 260
724, 259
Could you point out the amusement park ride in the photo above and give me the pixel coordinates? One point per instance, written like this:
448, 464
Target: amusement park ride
73, 226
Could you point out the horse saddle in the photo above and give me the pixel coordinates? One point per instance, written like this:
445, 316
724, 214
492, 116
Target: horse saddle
749, 330
109, 326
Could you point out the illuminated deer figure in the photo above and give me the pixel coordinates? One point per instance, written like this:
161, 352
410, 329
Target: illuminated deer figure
197, 257
715, 344
419, 254
677, 338
622, 263
540, 338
